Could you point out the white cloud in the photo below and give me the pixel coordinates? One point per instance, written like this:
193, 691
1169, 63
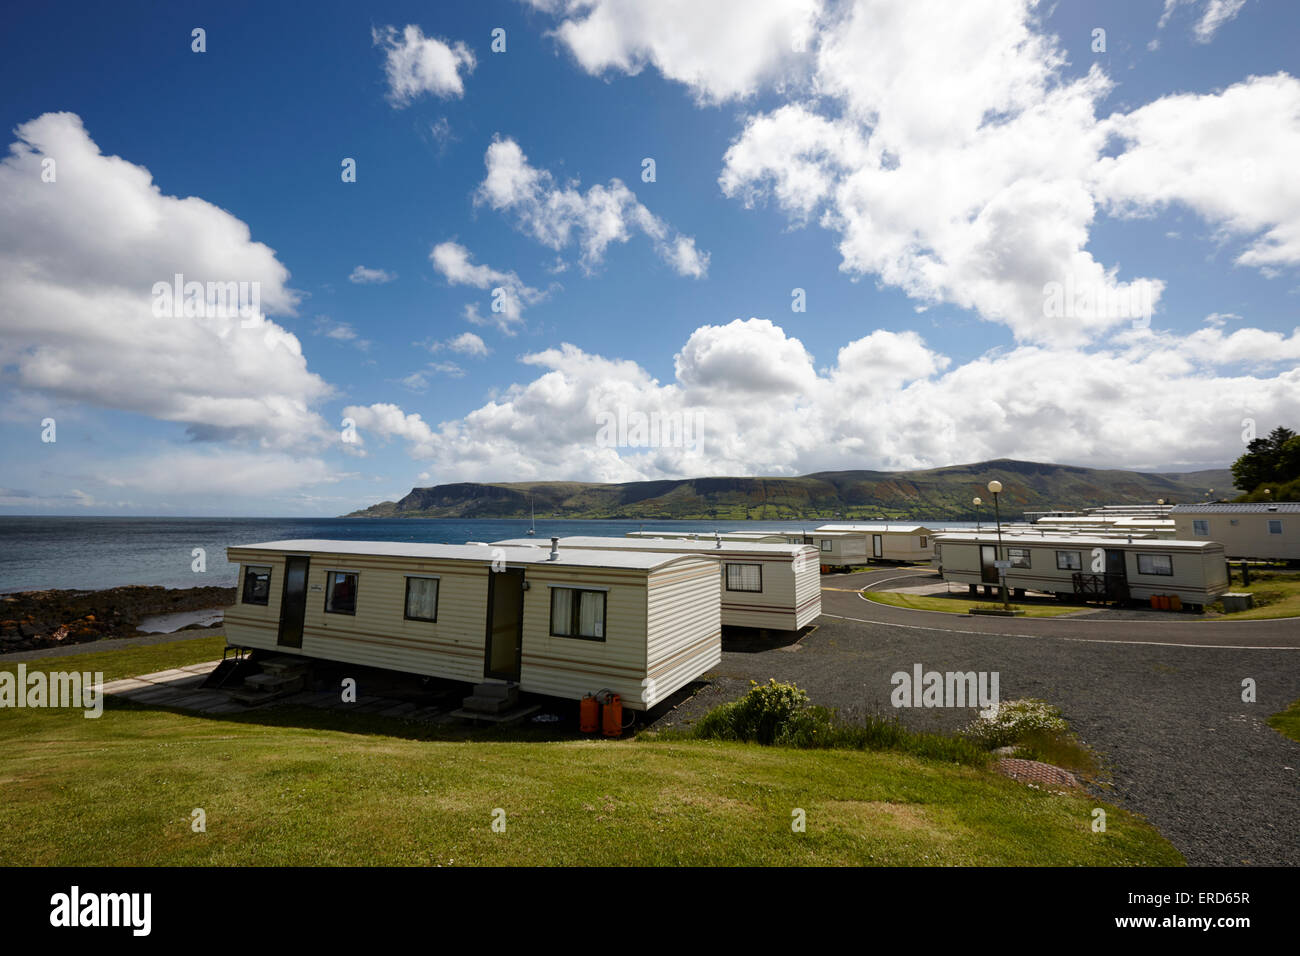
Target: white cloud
340, 332
722, 50
1229, 156
1214, 15
889, 401
467, 343
363, 276
79, 259
510, 295
559, 215
952, 163
416, 64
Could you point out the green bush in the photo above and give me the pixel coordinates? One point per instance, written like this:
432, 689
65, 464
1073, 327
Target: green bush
1014, 721
782, 715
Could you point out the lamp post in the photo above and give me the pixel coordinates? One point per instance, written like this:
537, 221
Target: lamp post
977, 502
995, 487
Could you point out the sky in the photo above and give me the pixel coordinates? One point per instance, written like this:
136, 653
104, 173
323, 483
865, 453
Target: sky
295, 259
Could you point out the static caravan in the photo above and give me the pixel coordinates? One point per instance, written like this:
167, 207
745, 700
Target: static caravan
1261, 530
1087, 567
775, 586
563, 623
891, 542
749, 537
1110, 524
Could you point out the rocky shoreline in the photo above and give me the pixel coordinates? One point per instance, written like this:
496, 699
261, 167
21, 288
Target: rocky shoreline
35, 620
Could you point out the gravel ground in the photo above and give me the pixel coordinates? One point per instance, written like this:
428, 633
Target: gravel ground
1178, 744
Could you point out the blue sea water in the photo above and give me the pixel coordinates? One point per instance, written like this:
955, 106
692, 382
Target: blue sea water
92, 553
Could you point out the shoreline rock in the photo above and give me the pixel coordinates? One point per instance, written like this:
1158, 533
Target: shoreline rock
35, 620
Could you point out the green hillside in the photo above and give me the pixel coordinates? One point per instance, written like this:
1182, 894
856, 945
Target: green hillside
931, 493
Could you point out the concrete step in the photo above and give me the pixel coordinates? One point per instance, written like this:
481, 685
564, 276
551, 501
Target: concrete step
285, 665
286, 683
496, 689
487, 705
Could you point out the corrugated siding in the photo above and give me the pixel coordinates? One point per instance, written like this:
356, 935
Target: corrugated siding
573, 667
807, 591
684, 635
379, 635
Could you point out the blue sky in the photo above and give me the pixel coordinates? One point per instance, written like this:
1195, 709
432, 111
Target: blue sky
921, 179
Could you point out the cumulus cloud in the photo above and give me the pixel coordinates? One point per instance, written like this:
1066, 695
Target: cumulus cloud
81, 260
510, 295
415, 64
557, 216
1229, 156
721, 50
753, 403
467, 343
363, 276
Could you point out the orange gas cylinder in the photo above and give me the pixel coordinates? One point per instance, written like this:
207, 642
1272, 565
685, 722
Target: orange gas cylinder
613, 715
1162, 602
1175, 602
589, 715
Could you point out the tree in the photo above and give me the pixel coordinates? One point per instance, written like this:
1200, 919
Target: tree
1272, 459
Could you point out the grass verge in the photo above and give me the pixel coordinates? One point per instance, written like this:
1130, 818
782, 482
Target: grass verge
298, 786
131, 661
1277, 595
1287, 723
958, 605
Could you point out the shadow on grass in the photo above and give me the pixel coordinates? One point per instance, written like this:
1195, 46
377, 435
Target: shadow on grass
445, 695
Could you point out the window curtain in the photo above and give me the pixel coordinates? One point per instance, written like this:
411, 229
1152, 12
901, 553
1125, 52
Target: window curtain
422, 598
591, 614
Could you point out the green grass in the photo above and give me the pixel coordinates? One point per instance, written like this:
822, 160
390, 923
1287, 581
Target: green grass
1287, 723
959, 605
132, 661
1277, 595
298, 786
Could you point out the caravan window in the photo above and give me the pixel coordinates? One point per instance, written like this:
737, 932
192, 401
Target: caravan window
1156, 564
826, 544
1019, 557
578, 613
257, 585
924, 541
1201, 527
341, 592
1274, 526
744, 577
1069, 561
422, 599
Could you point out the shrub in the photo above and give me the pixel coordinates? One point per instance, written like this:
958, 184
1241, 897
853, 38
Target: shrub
1015, 720
781, 714
763, 713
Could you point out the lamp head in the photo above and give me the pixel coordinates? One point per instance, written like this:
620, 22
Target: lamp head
995, 486
977, 501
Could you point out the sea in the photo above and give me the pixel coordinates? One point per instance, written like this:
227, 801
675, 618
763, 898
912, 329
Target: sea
88, 553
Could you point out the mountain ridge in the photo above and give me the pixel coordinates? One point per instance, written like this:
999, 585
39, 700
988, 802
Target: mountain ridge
944, 492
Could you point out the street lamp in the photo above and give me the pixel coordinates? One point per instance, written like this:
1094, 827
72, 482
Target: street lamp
995, 487
977, 501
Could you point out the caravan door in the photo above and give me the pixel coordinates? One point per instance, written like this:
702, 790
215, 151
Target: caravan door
505, 624
988, 570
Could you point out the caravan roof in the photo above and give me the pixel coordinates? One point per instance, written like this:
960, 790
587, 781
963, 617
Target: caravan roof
533, 554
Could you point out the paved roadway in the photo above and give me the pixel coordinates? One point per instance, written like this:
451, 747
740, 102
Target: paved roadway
1156, 695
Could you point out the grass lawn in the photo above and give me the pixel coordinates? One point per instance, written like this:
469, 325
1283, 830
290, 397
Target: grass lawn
301, 786
1287, 723
1277, 594
960, 605
132, 661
